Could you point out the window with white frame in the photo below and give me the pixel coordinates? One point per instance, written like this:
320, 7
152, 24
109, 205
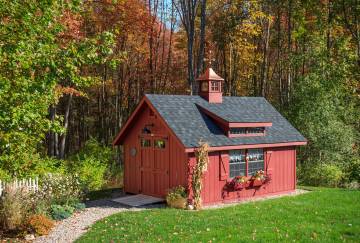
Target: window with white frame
255, 160
245, 162
237, 163
215, 86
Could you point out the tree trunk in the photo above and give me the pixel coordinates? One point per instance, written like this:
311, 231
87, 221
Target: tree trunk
187, 12
51, 137
264, 72
66, 125
200, 61
289, 52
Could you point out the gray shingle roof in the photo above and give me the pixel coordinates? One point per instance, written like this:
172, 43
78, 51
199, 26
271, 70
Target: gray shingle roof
190, 125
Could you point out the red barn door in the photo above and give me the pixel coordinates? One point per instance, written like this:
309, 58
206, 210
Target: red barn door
154, 165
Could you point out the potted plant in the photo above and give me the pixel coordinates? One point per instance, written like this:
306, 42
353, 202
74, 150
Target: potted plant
177, 197
259, 178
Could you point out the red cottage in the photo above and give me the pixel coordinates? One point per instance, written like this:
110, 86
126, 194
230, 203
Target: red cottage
245, 135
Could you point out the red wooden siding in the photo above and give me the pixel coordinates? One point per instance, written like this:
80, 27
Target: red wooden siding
280, 162
152, 170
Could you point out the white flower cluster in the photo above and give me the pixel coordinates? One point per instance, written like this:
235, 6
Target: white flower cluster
59, 188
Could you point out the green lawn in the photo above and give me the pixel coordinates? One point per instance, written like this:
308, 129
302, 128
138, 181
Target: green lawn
327, 215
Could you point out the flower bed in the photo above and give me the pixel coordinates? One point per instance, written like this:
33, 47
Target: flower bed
24, 211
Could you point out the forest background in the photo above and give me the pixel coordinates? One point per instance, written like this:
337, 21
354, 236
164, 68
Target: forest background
72, 71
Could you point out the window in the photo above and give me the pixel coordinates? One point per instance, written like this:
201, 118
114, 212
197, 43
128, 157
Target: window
237, 163
238, 159
133, 152
205, 86
145, 142
215, 86
253, 130
255, 160
247, 130
159, 143
238, 130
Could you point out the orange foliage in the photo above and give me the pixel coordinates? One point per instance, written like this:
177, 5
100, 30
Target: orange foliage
41, 224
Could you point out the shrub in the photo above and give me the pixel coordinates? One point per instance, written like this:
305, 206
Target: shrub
58, 189
91, 173
14, 208
79, 206
352, 170
321, 174
352, 185
4, 176
40, 224
59, 212
96, 166
49, 165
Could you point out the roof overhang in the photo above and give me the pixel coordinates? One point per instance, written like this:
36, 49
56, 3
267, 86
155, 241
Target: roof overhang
250, 124
125, 128
249, 146
119, 138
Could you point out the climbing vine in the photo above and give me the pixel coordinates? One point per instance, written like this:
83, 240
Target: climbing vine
202, 159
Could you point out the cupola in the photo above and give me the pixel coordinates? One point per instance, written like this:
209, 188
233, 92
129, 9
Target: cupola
210, 86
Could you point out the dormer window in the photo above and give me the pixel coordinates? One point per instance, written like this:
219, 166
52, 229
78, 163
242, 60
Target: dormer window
246, 131
238, 130
215, 86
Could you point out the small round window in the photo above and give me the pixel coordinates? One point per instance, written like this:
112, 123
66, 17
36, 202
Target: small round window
133, 152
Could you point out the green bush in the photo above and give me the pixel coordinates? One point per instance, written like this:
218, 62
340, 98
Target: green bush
94, 164
59, 212
78, 206
91, 173
4, 176
352, 170
49, 165
320, 174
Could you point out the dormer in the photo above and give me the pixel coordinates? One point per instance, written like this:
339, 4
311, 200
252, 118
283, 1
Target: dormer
210, 86
234, 126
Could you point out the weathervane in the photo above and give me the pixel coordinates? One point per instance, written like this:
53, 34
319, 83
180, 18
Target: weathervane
209, 59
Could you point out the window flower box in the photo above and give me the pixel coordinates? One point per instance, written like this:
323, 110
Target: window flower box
260, 178
257, 183
238, 183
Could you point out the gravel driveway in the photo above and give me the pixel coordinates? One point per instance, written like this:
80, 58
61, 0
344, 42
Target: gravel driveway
72, 228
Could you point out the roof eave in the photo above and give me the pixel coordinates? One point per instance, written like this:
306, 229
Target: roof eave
248, 146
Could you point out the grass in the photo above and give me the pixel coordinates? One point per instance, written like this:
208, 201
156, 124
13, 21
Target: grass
326, 215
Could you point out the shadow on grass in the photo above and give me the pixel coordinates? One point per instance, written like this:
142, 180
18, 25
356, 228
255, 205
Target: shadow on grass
104, 194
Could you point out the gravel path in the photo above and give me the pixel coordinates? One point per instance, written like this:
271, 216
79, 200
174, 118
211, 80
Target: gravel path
72, 228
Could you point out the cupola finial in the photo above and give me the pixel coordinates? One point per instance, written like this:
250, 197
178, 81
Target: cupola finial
209, 59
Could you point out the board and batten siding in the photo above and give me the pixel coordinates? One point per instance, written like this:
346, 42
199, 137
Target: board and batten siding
279, 162
132, 164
